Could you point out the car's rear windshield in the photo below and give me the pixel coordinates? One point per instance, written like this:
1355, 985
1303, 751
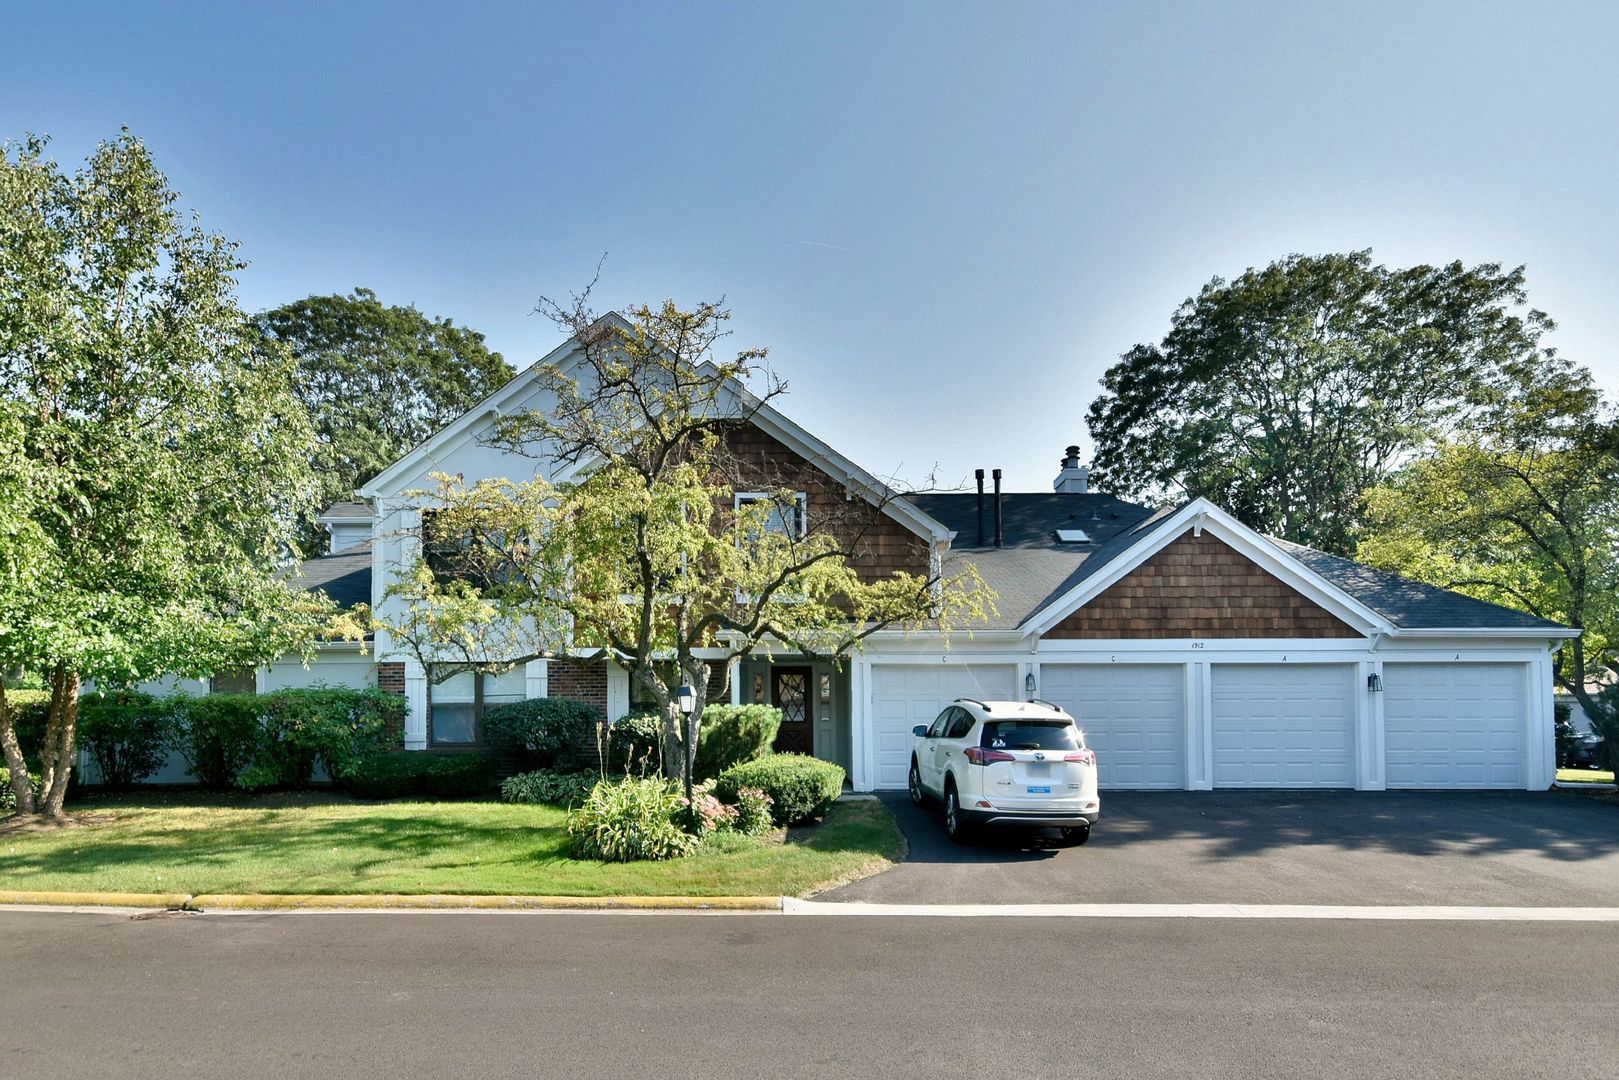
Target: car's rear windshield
1031, 735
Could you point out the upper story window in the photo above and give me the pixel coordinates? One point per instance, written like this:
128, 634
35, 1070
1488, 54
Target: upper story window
461, 554
789, 518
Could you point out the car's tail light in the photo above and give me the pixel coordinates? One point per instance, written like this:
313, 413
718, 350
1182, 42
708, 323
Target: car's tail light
979, 756
1084, 757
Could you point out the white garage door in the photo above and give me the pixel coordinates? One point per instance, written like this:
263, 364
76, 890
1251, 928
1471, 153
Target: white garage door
1133, 716
1454, 725
1283, 725
903, 696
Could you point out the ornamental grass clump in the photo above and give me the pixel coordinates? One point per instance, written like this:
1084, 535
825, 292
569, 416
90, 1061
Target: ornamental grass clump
629, 821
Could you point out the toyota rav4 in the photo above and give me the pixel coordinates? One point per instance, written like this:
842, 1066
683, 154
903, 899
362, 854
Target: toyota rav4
1016, 763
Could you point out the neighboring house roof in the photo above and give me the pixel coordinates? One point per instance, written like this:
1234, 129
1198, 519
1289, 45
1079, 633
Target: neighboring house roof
1411, 605
346, 511
345, 576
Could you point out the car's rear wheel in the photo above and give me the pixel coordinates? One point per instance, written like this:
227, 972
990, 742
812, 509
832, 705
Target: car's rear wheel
954, 826
918, 796
1077, 836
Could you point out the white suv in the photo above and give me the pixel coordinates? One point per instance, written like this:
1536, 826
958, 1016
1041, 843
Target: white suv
1020, 763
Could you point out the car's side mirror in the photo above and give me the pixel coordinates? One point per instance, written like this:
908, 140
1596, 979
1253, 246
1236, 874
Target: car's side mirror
920, 731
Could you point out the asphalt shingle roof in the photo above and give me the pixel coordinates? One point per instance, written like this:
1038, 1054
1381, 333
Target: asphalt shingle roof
1408, 604
345, 575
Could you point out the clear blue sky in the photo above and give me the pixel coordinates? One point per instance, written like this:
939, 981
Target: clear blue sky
945, 219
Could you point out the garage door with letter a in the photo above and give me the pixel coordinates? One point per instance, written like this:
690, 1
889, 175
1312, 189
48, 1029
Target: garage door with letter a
1133, 716
1454, 725
904, 695
1283, 725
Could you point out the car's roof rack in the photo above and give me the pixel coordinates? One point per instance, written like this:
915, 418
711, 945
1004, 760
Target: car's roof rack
1047, 704
975, 701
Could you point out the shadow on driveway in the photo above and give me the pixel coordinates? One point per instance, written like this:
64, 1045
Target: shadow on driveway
1336, 847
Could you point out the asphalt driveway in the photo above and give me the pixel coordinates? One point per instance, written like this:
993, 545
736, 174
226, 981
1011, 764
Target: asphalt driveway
1280, 847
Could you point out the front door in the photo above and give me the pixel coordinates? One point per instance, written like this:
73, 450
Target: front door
790, 692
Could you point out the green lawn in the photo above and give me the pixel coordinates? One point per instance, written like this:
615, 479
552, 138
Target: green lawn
320, 844
1583, 776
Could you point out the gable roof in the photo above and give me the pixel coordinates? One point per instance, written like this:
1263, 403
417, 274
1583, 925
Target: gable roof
763, 414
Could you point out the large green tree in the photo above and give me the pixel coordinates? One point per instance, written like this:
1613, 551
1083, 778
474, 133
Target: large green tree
377, 379
153, 458
640, 550
1285, 393
1522, 509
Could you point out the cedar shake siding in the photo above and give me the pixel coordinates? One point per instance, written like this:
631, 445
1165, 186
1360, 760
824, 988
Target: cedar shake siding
882, 546
1197, 587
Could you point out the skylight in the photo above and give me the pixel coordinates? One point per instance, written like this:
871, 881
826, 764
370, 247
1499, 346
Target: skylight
1072, 536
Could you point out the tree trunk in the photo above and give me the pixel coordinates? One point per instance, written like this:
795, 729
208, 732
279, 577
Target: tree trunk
14, 759
60, 737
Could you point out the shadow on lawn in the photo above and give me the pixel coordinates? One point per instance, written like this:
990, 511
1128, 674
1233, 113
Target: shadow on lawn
1224, 824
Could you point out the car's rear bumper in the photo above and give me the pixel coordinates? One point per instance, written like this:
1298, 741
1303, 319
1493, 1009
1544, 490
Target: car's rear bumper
1031, 819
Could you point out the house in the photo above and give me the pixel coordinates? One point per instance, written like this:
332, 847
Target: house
1195, 652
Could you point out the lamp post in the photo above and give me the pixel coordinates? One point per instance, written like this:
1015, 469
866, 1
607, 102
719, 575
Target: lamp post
686, 701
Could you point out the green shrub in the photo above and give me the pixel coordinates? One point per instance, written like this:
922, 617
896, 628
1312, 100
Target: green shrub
629, 821
8, 798
415, 774
335, 727
752, 812
799, 786
732, 734
125, 734
635, 745
217, 735
459, 776
399, 774
543, 732
30, 709
551, 786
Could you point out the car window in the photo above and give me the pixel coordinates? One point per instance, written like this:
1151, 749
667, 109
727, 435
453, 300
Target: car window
1031, 735
939, 724
960, 724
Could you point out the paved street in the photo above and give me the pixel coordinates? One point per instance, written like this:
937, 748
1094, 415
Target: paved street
1281, 847
586, 996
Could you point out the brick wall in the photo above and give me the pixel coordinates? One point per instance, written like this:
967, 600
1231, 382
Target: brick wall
582, 680
1198, 587
391, 677
882, 545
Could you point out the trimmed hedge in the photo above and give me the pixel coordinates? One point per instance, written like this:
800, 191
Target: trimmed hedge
414, 774
125, 733
732, 734
635, 745
275, 740
800, 787
544, 732
218, 735
8, 798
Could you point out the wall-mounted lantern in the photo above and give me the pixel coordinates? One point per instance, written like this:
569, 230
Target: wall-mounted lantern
1029, 685
1374, 683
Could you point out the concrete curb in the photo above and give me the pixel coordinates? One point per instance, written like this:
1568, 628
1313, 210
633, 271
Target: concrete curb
169, 901
395, 902
386, 902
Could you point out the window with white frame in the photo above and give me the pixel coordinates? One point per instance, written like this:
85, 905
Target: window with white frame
459, 702
790, 518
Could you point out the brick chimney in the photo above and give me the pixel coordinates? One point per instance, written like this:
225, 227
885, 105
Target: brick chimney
1075, 479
